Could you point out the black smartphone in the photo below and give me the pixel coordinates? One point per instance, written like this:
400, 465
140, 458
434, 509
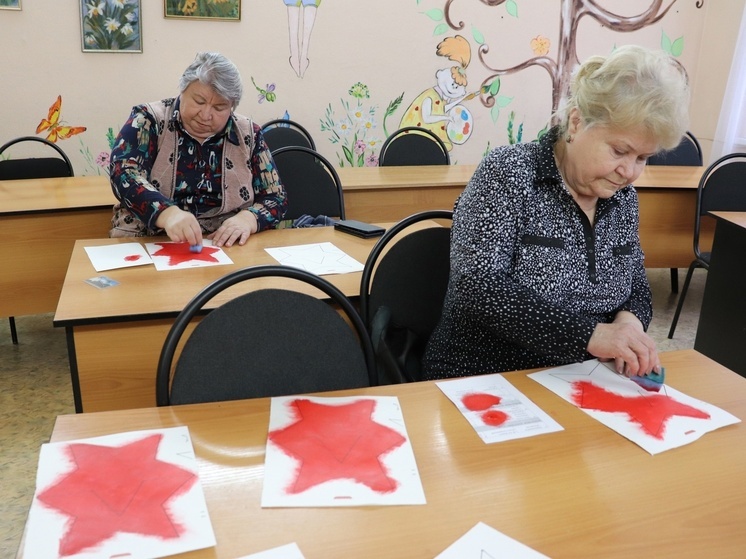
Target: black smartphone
359, 228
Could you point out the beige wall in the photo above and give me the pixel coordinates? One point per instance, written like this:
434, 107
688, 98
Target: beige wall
388, 45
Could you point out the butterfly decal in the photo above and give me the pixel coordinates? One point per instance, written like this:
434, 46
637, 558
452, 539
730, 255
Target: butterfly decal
57, 129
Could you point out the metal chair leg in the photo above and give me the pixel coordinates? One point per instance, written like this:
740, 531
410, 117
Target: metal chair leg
13, 332
674, 280
680, 304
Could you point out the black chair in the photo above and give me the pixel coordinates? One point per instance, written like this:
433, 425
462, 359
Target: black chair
721, 188
402, 291
311, 183
688, 152
413, 145
283, 132
268, 342
33, 168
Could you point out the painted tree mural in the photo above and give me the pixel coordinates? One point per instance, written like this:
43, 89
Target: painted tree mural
571, 13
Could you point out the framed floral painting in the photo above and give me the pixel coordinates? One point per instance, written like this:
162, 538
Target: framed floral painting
110, 25
203, 9
10, 4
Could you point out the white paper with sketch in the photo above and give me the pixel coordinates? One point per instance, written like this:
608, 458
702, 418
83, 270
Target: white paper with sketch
339, 452
484, 542
135, 495
496, 409
656, 421
123, 255
317, 258
168, 255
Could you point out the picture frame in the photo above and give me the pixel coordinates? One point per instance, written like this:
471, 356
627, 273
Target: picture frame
10, 4
111, 26
226, 10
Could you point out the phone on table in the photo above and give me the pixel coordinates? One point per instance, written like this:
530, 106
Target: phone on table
359, 228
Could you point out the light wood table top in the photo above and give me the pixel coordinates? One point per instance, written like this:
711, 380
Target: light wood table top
737, 218
430, 176
55, 194
143, 292
584, 492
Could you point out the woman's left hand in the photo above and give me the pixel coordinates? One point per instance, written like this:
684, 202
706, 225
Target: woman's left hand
237, 228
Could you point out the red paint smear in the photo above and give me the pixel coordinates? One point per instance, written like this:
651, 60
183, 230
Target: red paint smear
337, 442
132, 258
650, 412
479, 401
116, 489
178, 253
494, 417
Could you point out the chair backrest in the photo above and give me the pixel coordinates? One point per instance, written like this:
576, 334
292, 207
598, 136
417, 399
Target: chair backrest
282, 132
688, 152
311, 183
401, 293
267, 342
35, 167
721, 188
412, 145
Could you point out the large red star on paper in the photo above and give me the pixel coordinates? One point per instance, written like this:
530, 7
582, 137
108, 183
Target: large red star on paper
337, 442
651, 412
116, 489
178, 253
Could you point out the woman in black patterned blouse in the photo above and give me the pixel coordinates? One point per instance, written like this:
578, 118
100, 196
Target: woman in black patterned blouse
546, 264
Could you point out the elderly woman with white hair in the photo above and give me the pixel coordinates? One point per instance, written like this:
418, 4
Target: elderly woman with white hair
546, 263
190, 166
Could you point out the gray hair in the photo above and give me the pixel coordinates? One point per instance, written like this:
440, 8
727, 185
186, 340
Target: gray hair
215, 70
632, 86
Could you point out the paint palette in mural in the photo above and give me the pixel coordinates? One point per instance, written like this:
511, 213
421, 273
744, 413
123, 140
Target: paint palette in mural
336, 452
461, 124
656, 421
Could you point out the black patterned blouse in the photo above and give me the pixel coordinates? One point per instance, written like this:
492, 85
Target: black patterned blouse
530, 276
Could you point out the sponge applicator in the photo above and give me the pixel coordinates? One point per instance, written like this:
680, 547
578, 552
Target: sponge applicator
652, 381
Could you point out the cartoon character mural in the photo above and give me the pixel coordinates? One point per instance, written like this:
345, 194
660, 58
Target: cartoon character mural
301, 18
439, 108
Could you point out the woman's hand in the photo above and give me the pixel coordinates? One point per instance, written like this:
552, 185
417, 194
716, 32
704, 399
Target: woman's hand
237, 228
625, 341
180, 226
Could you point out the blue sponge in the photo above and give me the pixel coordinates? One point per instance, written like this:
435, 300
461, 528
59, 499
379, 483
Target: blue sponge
652, 381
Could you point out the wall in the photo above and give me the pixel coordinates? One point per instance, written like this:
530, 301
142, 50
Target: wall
388, 46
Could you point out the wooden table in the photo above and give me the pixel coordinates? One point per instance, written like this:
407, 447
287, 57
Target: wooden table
585, 492
721, 331
115, 335
40, 219
667, 196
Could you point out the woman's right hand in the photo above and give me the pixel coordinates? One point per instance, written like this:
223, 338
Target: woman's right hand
624, 341
180, 226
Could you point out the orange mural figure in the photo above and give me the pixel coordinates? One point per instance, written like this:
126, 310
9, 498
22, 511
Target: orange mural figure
56, 128
439, 108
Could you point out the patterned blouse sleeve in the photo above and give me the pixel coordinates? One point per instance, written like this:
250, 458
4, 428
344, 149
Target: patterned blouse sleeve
640, 301
486, 232
270, 201
132, 157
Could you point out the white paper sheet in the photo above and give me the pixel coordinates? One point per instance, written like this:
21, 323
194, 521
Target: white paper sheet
484, 542
336, 452
656, 421
135, 495
177, 256
317, 258
124, 255
496, 409
289, 551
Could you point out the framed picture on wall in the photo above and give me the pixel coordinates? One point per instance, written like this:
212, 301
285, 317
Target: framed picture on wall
203, 9
10, 4
110, 26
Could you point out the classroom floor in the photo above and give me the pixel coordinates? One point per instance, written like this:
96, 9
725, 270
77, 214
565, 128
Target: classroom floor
36, 388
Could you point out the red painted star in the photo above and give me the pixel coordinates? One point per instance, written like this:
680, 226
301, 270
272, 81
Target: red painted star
651, 412
178, 253
337, 442
116, 489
